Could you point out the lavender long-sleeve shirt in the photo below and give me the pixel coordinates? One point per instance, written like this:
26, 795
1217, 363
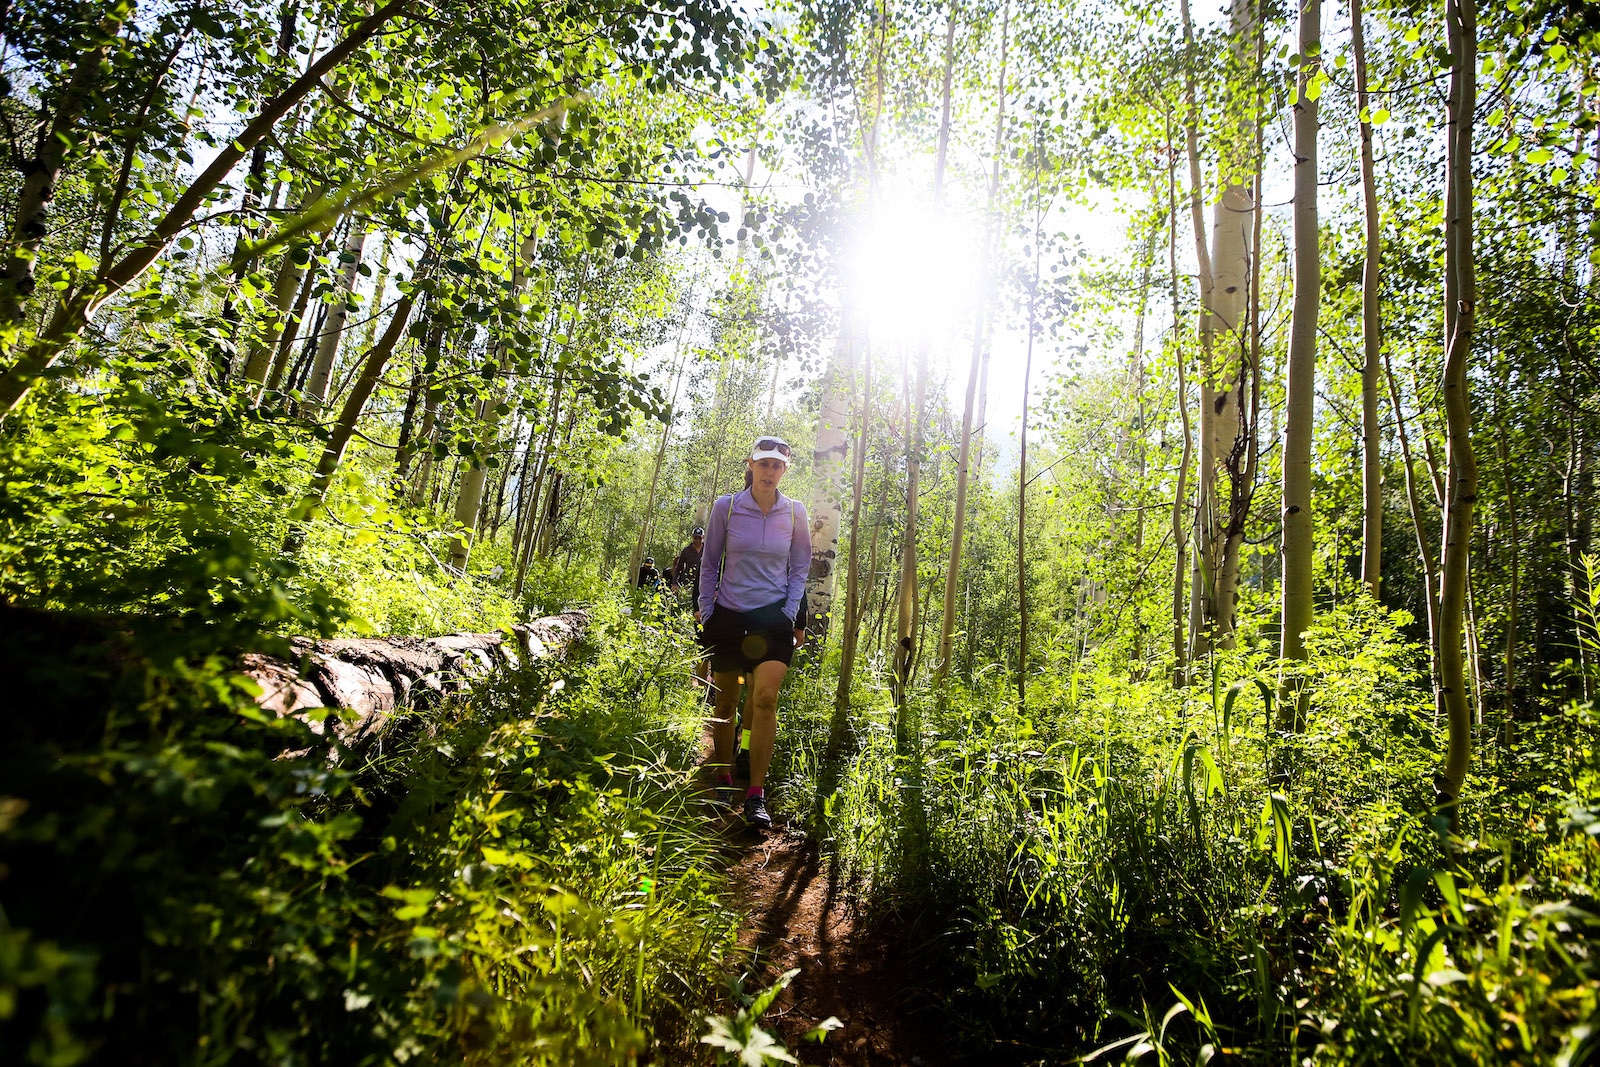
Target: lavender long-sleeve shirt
768, 556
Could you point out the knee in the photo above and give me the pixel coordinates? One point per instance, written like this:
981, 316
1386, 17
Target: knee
766, 702
727, 691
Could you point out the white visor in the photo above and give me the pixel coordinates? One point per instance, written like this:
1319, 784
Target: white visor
771, 448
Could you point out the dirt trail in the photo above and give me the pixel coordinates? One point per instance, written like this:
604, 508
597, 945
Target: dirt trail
798, 917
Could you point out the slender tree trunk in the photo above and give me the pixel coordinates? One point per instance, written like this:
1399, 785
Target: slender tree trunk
30, 223
1300, 391
130, 149
380, 289
241, 260
661, 447
907, 628
1461, 474
521, 502
344, 427
1574, 485
1237, 297
269, 354
853, 587
1180, 663
1022, 461
952, 575
489, 415
538, 486
421, 387
1513, 579
830, 459
1203, 573
1430, 568
355, 242
74, 314
1371, 330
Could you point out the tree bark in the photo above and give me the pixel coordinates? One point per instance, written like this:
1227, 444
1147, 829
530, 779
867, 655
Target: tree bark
31, 223
489, 414
1180, 492
72, 316
1203, 572
1022, 461
1513, 578
830, 459
1371, 330
661, 447
852, 603
1300, 398
906, 629
355, 242
1430, 568
344, 427
1238, 268
526, 558
1461, 472
952, 574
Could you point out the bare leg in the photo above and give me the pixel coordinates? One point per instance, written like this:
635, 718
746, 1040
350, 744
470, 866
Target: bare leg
702, 675
763, 721
726, 684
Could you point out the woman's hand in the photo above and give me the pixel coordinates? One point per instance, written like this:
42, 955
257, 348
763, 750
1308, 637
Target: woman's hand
799, 638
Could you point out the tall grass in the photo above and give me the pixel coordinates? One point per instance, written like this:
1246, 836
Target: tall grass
518, 877
1116, 871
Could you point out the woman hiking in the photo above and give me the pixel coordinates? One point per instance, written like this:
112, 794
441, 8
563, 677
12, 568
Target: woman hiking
757, 555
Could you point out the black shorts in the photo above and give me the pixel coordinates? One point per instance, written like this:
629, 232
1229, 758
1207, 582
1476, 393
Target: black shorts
738, 640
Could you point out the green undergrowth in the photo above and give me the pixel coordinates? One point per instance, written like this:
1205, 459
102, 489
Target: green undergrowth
1116, 873
517, 877
159, 497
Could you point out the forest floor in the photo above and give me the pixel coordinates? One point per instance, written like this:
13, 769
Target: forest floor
799, 915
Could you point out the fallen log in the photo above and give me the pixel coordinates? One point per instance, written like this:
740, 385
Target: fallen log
374, 677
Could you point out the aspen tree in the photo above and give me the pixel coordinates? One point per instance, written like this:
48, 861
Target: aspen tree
830, 459
1238, 293
1180, 648
1461, 471
333, 326
1371, 327
852, 609
1300, 390
1022, 461
905, 641
637, 558
947, 627
72, 315
831, 453
1225, 424
490, 410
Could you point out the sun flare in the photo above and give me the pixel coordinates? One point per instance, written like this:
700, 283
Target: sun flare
915, 274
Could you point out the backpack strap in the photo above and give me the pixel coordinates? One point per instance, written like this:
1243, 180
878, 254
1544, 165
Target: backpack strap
722, 564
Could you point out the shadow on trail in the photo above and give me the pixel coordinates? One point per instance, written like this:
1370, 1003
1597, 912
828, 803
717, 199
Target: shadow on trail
798, 917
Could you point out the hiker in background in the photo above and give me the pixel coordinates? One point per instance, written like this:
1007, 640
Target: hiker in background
684, 578
649, 577
685, 570
759, 550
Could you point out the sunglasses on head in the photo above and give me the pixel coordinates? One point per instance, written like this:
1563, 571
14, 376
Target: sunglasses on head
772, 444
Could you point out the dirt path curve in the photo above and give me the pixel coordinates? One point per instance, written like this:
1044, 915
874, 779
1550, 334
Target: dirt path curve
798, 917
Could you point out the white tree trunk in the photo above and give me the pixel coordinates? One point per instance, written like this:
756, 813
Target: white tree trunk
1461, 474
1371, 331
905, 641
355, 243
470, 495
831, 460
1299, 403
952, 576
